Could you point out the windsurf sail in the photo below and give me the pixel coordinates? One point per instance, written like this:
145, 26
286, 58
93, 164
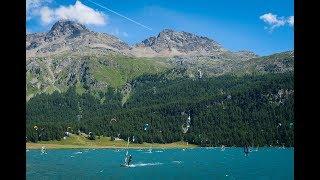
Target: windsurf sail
128, 158
43, 150
223, 148
127, 146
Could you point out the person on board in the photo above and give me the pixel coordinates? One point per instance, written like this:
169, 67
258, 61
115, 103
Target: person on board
246, 150
129, 160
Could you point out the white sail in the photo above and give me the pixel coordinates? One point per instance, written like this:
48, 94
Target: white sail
127, 152
127, 146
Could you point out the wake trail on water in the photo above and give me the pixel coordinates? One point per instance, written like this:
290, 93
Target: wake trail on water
145, 164
178, 162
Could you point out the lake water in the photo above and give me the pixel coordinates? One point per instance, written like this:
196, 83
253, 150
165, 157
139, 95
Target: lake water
197, 163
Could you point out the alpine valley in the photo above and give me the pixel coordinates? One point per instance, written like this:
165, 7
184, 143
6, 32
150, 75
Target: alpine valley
78, 80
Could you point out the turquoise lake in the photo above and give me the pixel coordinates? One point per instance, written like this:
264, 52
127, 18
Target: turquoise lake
196, 163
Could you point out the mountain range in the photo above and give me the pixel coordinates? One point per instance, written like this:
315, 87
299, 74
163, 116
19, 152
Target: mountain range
70, 54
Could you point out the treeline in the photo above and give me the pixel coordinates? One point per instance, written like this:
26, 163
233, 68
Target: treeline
229, 110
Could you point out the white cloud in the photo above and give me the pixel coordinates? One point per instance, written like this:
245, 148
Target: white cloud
32, 6
46, 15
31, 3
291, 20
273, 21
77, 12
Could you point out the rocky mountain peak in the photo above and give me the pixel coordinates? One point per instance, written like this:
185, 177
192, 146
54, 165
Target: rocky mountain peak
166, 32
169, 40
72, 36
66, 27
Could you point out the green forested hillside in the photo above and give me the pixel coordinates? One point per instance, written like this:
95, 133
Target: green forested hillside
229, 110
88, 72
95, 72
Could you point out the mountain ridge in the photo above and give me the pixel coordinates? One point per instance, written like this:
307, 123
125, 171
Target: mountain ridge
67, 35
69, 54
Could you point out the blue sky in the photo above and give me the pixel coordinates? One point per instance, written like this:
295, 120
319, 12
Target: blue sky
256, 25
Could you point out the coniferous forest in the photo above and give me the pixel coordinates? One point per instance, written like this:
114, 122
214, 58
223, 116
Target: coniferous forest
226, 110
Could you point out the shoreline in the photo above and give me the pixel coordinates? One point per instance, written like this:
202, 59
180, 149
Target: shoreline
81, 142
70, 146
35, 146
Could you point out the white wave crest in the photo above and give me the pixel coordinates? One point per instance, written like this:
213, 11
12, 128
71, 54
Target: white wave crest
178, 162
144, 164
